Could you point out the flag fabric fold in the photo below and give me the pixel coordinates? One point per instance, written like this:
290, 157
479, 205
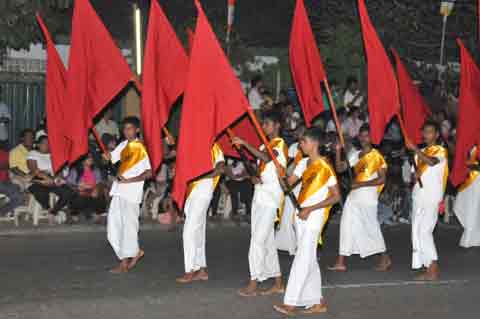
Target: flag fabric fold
306, 65
164, 76
383, 96
244, 129
468, 132
414, 108
56, 79
190, 38
97, 73
213, 100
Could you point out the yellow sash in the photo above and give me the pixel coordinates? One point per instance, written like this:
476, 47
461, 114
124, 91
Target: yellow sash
216, 153
131, 155
314, 178
473, 174
434, 151
279, 144
368, 165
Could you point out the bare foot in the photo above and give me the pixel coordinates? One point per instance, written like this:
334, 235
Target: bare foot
274, 290
201, 275
285, 309
249, 291
51, 219
120, 269
186, 279
316, 309
385, 264
136, 259
338, 268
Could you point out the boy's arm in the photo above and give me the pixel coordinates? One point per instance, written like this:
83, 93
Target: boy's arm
140, 178
331, 200
263, 156
431, 161
380, 180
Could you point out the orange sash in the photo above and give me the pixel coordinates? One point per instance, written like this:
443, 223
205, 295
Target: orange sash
473, 174
433, 151
368, 165
298, 157
216, 153
279, 144
131, 155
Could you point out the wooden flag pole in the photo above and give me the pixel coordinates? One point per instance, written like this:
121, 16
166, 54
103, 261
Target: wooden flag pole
405, 136
333, 108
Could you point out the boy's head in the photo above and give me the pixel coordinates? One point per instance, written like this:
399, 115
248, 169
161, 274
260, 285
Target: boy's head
431, 132
42, 144
272, 123
27, 138
131, 127
312, 140
364, 136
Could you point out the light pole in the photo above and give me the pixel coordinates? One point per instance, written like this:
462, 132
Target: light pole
137, 18
446, 9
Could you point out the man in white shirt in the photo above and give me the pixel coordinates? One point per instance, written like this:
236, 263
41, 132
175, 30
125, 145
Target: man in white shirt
353, 97
254, 96
106, 125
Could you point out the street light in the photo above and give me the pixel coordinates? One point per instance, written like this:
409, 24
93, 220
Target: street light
138, 38
446, 9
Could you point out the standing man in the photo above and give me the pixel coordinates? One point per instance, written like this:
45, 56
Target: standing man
199, 195
254, 96
319, 192
106, 125
432, 171
360, 232
5, 118
127, 193
267, 199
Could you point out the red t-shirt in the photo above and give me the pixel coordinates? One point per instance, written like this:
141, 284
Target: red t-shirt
3, 162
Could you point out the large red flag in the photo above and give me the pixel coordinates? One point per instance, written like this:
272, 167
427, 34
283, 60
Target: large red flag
414, 108
56, 80
165, 73
306, 65
383, 98
97, 73
244, 129
468, 129
213, 100
191, 38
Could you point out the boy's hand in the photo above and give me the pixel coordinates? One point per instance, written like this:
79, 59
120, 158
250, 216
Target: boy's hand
107, 156
122, 180
255, 180
304, 213
238, 141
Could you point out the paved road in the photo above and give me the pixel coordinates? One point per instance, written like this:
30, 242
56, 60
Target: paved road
64, 276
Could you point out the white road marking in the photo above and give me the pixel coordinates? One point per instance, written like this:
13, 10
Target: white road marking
396, 284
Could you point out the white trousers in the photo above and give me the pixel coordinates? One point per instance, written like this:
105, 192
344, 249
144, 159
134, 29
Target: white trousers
424, 220
360, 232
467, 209
263, 254
122, 227
304, 288
285, 237
194, 232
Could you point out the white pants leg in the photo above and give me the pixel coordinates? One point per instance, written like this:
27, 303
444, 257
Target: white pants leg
467, 209
285, 237
360, 231
304, 288
122, 227
194, 232
424, 220
263, 254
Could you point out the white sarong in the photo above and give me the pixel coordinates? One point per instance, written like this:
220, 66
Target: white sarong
467, 209
122, 227
424, 220
285, 237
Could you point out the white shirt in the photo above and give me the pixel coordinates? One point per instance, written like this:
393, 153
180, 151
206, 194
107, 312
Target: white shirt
4, 113
432, 181
349, 96
109, 127
370, 193
132, 192
44, 161
255, 99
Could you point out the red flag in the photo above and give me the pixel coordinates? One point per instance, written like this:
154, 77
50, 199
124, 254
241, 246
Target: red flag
191, 38
244, 129
97, 73
306, 65
56, 80
415, 110
213, 100
383, 98
165, 73
468, 130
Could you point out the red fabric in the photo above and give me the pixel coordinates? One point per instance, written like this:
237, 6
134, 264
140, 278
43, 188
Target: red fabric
97, 73
244, 129
4, 162
213, 100
191, 38
383, 97
306, 65
468, 129
414, 108
56, 81
165, 73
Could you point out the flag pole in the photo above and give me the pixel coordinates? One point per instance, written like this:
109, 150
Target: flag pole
333, 108
405, 137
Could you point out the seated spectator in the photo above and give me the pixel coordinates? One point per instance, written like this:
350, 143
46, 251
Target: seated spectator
352, 95
353, 122
107, 126
17, 159
88, 197
41, 129
8, 189
44, 182
342, 116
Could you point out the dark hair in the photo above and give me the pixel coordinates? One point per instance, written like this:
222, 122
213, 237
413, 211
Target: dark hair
79, 166
364, 128
255, 80
350, 80
430, 123
315, 134
272, 115
132, 120
342, 112
25, 132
